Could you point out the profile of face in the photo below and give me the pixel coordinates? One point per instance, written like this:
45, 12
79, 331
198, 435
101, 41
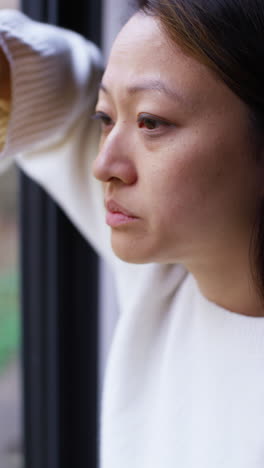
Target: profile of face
176, 157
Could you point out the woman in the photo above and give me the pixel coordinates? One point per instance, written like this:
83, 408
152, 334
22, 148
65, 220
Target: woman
181, 161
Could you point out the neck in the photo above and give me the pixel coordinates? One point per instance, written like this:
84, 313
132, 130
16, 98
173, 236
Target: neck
228, 282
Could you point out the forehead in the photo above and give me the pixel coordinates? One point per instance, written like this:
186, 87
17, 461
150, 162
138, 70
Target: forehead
142, 52
141, 34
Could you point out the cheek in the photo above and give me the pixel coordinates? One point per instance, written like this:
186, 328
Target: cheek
184, 176
189, 182
201, 174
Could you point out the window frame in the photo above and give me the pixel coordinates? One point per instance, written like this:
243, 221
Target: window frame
59, 301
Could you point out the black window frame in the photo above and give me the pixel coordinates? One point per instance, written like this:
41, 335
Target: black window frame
59, 301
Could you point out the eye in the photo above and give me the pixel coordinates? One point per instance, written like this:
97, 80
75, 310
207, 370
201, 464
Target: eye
105, 120
152, 123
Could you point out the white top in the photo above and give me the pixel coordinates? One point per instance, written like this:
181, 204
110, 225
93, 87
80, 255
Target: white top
184, 386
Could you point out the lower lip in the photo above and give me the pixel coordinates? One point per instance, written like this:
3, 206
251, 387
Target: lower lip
118, 219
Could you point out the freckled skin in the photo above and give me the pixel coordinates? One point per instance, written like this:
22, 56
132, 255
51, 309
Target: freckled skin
195, 185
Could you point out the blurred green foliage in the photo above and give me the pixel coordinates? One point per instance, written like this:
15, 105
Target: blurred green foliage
9, 317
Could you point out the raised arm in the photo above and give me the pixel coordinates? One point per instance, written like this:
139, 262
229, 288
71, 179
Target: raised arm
49, 79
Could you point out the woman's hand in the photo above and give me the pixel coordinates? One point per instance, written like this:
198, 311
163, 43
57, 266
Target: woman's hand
5, 77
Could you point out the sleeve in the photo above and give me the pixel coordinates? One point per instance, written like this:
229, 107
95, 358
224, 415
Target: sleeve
47, 127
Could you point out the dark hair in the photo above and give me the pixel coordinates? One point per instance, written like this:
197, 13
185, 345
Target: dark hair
227, 36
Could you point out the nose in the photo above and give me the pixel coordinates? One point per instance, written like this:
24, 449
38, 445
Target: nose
115, 160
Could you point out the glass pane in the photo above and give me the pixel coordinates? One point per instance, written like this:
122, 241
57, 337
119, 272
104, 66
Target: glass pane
10, 388
10, 381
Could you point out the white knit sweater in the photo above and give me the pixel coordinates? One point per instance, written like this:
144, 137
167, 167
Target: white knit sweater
184, 386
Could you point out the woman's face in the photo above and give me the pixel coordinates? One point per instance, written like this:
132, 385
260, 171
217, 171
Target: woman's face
176, 156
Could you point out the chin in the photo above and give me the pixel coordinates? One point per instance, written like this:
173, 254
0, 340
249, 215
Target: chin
132, 252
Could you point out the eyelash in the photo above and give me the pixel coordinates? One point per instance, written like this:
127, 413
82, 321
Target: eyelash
102, 117
106, 121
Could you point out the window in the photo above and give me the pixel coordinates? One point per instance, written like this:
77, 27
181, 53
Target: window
11, 454
60, 358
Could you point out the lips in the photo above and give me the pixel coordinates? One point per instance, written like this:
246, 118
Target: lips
117, 215
114, 207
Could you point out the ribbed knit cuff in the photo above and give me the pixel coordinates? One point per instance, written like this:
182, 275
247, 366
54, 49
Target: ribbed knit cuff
54, 75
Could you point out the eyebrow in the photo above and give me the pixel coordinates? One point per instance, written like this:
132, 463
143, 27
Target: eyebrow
150, 85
